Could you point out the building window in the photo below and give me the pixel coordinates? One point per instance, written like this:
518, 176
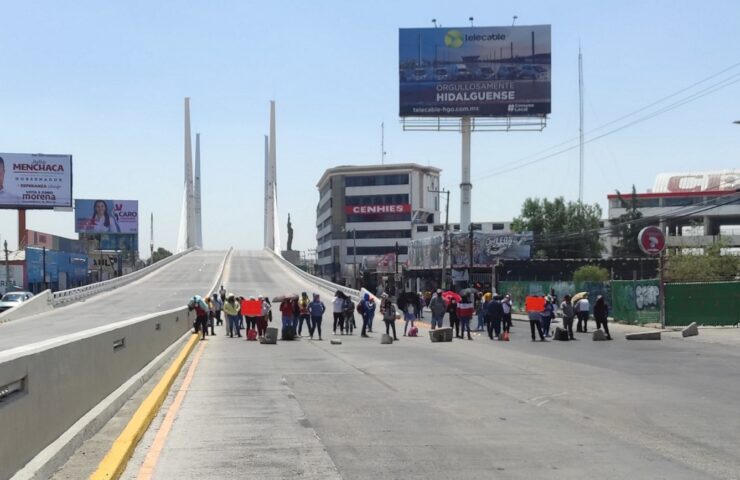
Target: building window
377, 199
402, 250
376, 180
497, 226
364, 234
439, 228
379, 217
422, 228
456, 228
680, 201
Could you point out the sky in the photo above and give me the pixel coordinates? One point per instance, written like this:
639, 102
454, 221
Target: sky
105, 81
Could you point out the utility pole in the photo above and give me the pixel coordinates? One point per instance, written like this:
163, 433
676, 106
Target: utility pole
396, 277
151, 238
7, 266
354, 259
43, 253
445, 236
470, 264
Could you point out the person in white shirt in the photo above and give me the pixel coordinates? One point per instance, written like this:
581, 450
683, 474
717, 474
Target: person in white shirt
338, 311
583, 309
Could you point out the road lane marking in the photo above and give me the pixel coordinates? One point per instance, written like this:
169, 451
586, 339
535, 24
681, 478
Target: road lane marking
152, 457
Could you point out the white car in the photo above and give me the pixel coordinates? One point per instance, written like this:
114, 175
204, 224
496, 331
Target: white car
12, 299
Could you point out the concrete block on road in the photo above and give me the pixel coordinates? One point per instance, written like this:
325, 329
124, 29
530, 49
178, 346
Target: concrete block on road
598, 336
690, 331
336, 341
441, 335
561, 334
643, 336
271, 336
386, 339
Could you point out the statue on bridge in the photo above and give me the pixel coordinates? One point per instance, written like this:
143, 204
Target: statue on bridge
290, 234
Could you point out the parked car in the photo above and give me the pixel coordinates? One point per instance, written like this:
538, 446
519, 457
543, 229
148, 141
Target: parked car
528, 72
13, 299
486, 73
506, 72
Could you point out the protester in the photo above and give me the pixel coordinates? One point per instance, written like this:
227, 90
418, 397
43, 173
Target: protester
316, 309
241, 301
454, 319
303, 315
389, 315
219, 305
437, 307
409, 316
348, 310
601, 315
422, 304
568, 314
465, 311
251, 320
232, 309
547, 314
366, 307
495, 314
201, 314
211, 314
534, 323
583, 309
286, 312
222, 293
338, 312
506, 307
263, 318
480, 312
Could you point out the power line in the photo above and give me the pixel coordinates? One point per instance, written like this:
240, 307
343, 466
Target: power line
731, 80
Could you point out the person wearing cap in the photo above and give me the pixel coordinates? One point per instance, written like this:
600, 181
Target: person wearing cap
506, 307
367, 309
231, 309
547, 314
568, 314
201, 314
316, 309
437, 307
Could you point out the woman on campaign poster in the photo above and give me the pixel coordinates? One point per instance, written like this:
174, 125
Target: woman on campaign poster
101, 221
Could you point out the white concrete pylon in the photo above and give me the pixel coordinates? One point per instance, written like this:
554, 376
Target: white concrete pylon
189, 207
198, 227
271, 227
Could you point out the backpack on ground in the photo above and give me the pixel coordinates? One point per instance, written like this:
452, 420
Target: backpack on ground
505, 336
413, 332
251, 334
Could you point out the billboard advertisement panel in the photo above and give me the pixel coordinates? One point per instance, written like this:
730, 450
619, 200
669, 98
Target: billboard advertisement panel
488, 248
475, 71
35, 181
106, 216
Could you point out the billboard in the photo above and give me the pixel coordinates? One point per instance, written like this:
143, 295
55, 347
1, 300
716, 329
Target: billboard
35, 181
474, 71
106, 216
488, 248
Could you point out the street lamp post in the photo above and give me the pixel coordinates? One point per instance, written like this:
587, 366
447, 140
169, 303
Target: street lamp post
7, 266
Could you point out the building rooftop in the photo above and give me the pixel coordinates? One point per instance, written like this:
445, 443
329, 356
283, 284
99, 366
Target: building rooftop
387, 167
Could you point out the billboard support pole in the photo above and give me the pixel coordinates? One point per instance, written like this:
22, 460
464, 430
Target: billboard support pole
465, 185
21, 228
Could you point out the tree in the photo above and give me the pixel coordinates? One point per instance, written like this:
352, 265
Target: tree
710, 266
561, 230
590, 273
159, 254
627, 226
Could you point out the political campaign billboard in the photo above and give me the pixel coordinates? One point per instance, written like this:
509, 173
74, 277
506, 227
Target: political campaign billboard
106, 216
35, 181
475, 71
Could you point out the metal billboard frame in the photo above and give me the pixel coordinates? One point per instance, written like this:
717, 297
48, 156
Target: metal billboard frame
534, 123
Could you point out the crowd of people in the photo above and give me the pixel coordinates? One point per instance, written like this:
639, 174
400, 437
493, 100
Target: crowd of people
494, 313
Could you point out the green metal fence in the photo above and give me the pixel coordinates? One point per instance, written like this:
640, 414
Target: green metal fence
711, 303
636, 302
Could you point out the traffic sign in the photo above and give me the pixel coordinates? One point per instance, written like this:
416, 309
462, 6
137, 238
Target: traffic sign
651, 240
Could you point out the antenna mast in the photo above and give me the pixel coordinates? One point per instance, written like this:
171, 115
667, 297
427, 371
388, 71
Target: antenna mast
580, 134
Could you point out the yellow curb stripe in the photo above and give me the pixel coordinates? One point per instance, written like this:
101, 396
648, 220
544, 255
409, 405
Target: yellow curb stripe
152, 457
114, 462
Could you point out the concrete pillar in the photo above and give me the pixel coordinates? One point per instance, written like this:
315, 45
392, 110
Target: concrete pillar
465, 185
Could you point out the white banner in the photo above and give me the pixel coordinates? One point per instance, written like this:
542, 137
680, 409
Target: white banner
35, 181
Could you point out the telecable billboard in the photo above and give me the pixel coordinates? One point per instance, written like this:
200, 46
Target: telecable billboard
35, 181
475, 71
106, 216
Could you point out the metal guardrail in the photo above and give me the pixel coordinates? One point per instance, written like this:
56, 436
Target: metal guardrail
63, 297
319, 282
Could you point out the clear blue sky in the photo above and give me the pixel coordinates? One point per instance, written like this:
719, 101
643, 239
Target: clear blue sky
105, 82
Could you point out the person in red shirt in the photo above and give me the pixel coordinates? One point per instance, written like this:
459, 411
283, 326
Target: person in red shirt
465, 310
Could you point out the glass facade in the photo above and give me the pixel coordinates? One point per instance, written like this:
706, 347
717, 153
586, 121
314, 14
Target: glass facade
402, 250
375, 180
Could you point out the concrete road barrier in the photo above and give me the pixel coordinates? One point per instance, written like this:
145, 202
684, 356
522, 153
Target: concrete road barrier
271, 336
441, 335
336, 341
643, 336
690, 331
598, 336
386, 339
